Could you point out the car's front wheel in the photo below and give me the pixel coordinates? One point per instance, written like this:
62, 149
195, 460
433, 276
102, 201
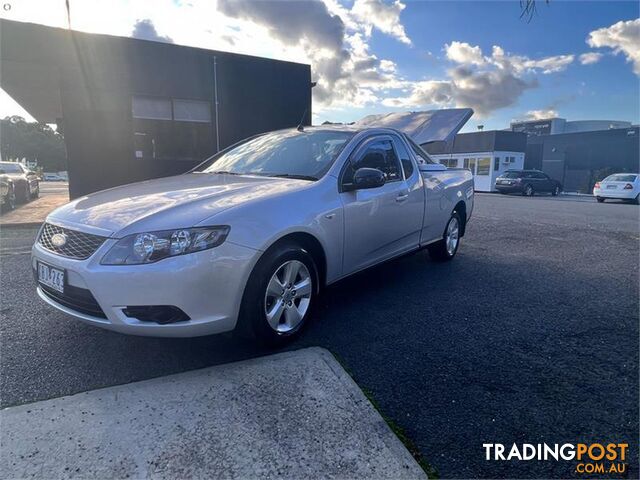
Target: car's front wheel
556, 191
10, 201
447, 248
278, 298
527, 191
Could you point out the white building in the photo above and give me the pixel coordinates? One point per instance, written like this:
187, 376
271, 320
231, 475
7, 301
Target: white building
485, 154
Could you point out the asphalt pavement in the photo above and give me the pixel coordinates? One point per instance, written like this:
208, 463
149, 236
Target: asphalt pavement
530, 335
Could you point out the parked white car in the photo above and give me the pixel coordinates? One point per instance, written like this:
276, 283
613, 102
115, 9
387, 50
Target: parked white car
247, 240
53, 177
621, 186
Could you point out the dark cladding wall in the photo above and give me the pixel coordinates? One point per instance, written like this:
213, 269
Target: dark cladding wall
491, 141
578, 160
94, 80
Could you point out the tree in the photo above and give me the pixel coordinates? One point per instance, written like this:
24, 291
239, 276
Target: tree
35, 142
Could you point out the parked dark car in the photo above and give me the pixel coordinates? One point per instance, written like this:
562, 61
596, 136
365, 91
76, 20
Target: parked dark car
527, 182
25, 182
7, 193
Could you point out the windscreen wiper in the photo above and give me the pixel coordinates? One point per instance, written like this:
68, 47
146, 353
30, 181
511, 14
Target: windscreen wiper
292, 175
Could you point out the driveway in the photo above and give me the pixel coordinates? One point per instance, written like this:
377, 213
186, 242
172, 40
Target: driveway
530, 335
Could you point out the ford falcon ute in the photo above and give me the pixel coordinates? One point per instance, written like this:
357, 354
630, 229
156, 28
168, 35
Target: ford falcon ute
247, 240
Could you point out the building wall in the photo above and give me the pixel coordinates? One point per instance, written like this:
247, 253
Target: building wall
89, 83
578, 160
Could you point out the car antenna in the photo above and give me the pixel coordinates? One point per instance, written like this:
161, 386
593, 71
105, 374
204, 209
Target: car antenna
300, 127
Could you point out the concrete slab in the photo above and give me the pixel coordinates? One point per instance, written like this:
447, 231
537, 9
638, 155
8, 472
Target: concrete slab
289, 415
34, 212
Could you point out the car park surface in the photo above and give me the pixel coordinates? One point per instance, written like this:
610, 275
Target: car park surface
533, 328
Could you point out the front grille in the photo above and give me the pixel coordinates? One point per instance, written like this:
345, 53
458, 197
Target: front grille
78, 299
79, 245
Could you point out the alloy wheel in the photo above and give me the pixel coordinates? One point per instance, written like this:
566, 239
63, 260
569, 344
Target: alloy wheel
288, 296
452, 235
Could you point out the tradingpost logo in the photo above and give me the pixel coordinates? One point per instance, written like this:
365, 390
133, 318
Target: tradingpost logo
587, 458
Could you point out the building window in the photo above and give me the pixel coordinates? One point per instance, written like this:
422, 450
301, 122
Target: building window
191, 111
484, 165
470, 164
153, 108
496, 164
171, 129
449, 162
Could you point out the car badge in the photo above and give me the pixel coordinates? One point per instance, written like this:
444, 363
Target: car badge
59, 240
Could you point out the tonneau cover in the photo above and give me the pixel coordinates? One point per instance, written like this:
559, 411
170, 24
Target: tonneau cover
422, 127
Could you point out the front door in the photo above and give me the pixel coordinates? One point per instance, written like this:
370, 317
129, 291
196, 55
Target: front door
379, 222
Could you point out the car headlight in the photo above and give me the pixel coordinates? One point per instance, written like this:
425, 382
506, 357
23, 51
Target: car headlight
150, 247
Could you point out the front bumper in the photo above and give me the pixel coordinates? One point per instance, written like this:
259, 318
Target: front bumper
207, 286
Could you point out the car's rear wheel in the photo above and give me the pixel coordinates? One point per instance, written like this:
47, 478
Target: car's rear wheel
447, 248
556, 191
600, 199
279, 295
36, 193
527, 191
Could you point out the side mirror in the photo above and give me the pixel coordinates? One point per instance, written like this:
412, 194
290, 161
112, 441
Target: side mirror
367, 178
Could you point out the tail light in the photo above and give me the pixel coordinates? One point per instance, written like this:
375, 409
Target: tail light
597, 185
628, 186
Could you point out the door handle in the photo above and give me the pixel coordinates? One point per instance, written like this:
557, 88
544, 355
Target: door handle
402, 197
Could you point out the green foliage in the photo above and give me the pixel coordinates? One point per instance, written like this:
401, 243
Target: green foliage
36, 142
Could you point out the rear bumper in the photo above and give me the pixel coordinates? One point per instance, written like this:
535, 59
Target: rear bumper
508, 188
619, 194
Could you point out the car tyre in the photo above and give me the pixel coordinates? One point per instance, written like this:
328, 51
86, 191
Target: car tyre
445, 249
10, 203
527, 191
600, 199
279, 296
36, 194
556, 191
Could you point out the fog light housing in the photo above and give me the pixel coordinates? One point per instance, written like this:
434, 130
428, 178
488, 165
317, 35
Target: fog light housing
160, 314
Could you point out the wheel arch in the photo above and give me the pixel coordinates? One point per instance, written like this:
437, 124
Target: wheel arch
312, 245
461, 208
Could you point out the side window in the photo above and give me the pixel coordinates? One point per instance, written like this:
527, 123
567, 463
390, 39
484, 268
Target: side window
378, 154
405, 160
420, 154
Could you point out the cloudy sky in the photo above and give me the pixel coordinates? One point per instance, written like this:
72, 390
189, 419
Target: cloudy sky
575, 59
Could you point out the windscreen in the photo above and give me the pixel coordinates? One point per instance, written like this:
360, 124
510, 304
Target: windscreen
10, 168
290, 153
620, 178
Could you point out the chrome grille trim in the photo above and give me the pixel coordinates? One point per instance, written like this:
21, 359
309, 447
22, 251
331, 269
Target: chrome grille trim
79, 245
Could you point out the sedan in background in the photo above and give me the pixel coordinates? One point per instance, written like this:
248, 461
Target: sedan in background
621, 186
25, 182
527, 182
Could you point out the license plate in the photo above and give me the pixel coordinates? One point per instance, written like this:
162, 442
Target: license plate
51, 277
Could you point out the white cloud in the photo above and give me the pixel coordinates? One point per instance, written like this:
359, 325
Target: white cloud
464, 53
381, 16
145, 30
623, 37
590, 58
484, 83
541, 114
